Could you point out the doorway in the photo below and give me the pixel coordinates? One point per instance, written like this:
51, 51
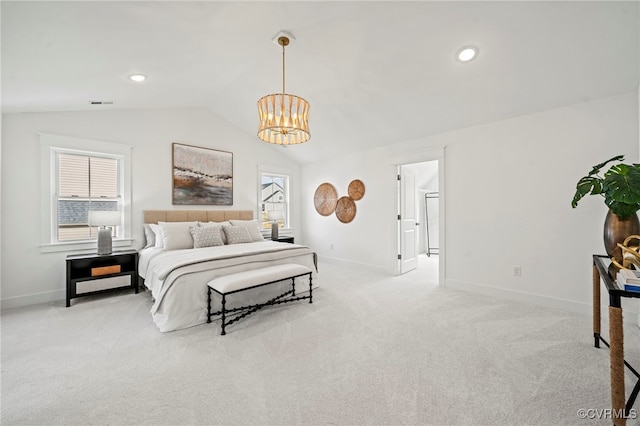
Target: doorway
420, 207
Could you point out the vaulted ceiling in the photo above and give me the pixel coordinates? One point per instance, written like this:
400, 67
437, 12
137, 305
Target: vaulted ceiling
375, 73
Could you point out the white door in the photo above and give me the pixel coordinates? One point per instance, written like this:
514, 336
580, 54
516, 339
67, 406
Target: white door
408, 244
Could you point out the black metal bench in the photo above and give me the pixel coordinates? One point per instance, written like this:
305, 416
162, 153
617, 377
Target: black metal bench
246, 280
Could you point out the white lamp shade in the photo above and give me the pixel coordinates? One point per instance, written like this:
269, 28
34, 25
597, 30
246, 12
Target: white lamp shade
276, 214
104, 218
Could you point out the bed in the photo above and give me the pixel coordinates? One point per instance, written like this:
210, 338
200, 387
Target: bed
177, 269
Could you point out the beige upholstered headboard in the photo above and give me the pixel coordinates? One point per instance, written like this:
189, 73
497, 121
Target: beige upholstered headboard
155, 216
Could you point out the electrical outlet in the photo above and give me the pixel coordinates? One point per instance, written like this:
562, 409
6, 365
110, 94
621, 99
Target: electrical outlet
517, 271
331, 247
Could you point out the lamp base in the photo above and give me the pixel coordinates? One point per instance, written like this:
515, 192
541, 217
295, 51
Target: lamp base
104, 240
274, 230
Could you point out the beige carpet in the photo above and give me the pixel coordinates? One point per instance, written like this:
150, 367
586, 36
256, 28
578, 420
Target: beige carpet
371, 349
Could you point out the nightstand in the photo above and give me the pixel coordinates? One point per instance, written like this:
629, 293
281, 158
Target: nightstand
89, 274
284, 240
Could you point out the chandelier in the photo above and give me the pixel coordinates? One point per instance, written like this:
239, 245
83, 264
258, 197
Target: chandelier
284, 118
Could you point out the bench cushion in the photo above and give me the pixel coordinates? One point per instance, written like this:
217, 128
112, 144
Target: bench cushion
245, 279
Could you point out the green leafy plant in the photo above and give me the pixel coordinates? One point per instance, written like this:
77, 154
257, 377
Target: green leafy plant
620, 187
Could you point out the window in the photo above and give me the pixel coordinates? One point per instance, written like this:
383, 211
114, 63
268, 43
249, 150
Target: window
79, 176
274, 200
84, 183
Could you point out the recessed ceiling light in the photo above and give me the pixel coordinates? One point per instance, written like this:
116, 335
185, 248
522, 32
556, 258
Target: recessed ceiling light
467, 53
137, 77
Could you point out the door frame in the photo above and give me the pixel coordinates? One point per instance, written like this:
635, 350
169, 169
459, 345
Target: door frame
421, 156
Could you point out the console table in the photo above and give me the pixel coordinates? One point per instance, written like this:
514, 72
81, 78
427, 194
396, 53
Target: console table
620, 407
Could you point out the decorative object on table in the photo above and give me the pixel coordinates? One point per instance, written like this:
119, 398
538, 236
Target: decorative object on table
620, 187
616, 230
275, 216
202, 176
630, 253
283, 118
325, 199
629, 279
345, 209
630, 276
104, 220
356, 189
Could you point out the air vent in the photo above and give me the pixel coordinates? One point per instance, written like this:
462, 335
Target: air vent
101, 102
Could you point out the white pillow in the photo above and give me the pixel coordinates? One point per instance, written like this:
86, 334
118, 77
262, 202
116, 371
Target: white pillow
252, 227
157, 231
206, 236
237, 234
220, 224
176, 235
149, 236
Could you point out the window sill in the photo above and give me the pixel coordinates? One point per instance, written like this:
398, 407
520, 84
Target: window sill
282, 231
84, 245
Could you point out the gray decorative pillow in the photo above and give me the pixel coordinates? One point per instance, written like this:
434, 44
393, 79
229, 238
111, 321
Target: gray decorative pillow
252, 227
237, 234
207, 236
219, 225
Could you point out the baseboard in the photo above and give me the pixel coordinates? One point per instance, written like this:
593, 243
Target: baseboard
631, 316
337, 261
33, 299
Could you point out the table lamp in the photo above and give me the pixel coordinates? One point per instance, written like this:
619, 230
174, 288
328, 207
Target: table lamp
104, 220
275, 216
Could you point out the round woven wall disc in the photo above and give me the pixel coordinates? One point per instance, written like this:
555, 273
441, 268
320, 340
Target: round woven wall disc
356, 189
345, 209
325, 199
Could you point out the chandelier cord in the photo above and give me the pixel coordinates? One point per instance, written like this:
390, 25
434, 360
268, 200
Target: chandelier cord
283, 91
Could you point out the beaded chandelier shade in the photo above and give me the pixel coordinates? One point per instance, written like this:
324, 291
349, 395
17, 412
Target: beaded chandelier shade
284, 118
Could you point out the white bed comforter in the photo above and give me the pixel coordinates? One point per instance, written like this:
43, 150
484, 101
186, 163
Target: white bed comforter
178, 278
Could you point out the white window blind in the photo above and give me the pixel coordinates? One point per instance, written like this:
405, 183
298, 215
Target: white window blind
85, 183
103, 177
73, 175
86, 176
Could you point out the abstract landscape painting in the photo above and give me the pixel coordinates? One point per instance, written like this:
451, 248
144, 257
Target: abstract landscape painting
202, 176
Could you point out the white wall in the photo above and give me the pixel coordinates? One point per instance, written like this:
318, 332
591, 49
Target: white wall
508, 190
29, 276
366, 239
